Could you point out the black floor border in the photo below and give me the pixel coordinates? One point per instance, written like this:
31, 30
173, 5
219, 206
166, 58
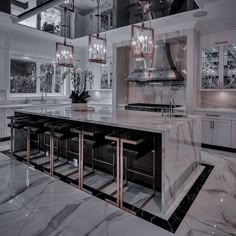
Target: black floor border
219, 148
4, 139
175, 220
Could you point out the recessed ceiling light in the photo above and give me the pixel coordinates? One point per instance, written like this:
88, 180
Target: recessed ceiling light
200, 13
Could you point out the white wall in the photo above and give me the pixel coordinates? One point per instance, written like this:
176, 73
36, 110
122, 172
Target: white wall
23, 45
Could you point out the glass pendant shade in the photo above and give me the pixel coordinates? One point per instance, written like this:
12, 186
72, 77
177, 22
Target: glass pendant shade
142, 45
65, 55
69, 5
97, 49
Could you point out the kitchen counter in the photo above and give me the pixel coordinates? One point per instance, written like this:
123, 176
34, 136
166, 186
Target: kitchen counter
143, 121
25, 105
179, 141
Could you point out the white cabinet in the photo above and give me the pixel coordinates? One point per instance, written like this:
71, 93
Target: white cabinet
222, 133
207, 134
217, 132
218, 67
3, 68
234, 134
2, 123
8, 112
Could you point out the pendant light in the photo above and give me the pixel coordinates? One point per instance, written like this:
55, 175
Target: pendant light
64, 51
97, 44
142, 41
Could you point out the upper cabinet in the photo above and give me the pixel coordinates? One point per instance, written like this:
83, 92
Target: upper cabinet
218, 68
210, 68
230, 66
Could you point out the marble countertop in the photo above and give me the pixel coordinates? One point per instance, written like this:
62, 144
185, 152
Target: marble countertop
138, 120
216, 110
25, 105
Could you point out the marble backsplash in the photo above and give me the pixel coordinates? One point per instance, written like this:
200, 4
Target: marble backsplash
156, 93
2, 95
220, 99
101, 96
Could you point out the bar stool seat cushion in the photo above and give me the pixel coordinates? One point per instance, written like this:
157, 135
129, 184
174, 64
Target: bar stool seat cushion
130, 151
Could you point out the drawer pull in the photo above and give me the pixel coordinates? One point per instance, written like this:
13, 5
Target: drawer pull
211, 115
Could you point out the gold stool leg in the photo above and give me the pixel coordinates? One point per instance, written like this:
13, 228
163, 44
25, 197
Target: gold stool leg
51, 153
28, 146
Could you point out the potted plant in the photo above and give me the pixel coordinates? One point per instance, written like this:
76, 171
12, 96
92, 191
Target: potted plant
80, 80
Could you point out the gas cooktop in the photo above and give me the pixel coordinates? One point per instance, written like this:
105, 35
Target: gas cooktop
149, 107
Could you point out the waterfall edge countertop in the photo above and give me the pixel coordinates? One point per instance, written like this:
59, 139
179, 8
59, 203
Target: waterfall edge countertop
179, 141
138, 120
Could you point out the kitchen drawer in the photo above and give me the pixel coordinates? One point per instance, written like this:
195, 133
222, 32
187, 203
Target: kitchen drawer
234, 134
2, 120
2, 132
217, 132
222, 133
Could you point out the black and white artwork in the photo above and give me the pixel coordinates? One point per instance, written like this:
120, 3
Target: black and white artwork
50, 78
46, 77
106, 75
22, 76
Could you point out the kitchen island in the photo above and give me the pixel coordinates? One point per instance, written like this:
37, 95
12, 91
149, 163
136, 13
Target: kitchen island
176, 150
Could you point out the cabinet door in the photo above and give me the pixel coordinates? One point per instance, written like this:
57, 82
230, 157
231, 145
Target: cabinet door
222, 133
8, 112
229, 76
3, 68
234, 134
210, 67
207, 132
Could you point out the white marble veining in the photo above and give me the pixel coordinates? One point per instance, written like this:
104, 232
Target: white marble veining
181, 157
32, 203
180, 141
145, 121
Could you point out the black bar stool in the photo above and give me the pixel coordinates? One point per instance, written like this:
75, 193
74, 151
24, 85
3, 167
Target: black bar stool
114, 147
131, 146
36, 126
134, 145
78, 131
17, 122
93, 138
60, 131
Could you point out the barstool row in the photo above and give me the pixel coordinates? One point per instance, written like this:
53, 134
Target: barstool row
82, 171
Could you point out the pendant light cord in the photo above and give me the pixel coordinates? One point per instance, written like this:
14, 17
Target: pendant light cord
65, 24
98, 17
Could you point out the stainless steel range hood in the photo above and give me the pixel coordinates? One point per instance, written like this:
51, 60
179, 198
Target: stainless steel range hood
168, 64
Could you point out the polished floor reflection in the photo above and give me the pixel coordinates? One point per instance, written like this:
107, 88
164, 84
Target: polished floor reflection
33, 203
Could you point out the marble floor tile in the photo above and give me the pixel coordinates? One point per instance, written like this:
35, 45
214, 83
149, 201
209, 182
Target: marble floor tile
32, 203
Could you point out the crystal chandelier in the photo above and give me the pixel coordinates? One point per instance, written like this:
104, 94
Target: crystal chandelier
142, 42
97, 44
65, 54
97, 49
64, 51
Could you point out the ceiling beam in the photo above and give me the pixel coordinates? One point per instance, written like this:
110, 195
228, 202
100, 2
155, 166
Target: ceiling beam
36, 10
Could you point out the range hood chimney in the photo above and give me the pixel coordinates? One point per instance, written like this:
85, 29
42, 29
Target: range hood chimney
164, 66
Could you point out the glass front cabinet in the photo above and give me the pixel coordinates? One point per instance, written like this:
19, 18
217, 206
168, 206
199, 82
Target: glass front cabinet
218, 67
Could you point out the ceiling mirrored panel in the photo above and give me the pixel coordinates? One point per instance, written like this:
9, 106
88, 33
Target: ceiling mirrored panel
85, 17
